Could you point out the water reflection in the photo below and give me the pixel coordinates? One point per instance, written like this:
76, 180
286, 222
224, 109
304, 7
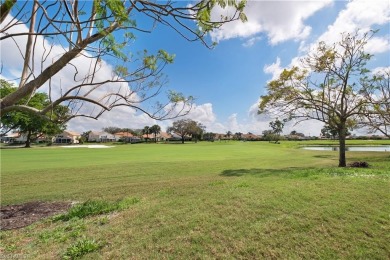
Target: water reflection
384, 148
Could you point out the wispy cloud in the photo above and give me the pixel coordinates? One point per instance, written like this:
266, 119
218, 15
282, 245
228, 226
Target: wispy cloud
251, 41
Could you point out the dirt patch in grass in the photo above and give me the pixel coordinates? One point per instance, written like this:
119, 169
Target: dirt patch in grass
18, 216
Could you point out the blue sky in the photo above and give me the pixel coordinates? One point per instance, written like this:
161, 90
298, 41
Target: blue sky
231, 77
228, 80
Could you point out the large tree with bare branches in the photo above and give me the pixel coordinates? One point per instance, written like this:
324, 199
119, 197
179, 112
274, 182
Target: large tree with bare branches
83, 37
327, 87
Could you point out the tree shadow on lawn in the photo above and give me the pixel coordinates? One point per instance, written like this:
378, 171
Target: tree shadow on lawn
324, 156
262, 173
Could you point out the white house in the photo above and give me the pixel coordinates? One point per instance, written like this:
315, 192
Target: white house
101, 137
67, 137
14, 137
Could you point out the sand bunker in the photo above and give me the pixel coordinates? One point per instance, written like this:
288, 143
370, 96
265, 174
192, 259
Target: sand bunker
88, 146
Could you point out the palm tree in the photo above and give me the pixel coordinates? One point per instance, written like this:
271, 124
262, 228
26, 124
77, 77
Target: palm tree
155, 129
146, 131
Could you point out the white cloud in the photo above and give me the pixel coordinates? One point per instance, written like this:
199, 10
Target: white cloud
283, 20
378, 45
275, 69
362, 15
251, 41
203, 113
252, 122
260, 122
233, 124
380, 70
280, 20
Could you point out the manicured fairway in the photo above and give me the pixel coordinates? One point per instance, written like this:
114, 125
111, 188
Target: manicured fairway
207, 200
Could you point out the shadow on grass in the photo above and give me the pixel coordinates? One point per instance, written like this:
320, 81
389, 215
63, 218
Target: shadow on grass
288, 172
324, 156
12, 146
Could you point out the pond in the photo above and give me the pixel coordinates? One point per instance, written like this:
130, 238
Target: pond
383, 148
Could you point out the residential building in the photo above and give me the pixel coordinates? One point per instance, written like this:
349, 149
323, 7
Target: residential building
101, 137
67, 137
126, 137
14, 137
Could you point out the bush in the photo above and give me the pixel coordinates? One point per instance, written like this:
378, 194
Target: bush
359, 164
80, 248
92, 208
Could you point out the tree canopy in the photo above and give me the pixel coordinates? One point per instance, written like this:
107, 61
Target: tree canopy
186, 127
155, 130
377, 91
65, 45
326, 87
277, 128
30, 124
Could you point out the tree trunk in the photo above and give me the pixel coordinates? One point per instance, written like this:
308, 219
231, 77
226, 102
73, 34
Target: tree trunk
28, 141
182, 139
342, 134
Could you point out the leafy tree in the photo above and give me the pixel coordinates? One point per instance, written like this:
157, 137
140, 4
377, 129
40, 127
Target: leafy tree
196, 130
126, 130
268, 135
84, 137
58, 33
331, 132
327, 87
137, 132
237, 136
294, 135
155, 129
30, 124
185, 127
86, 134
112, 129
277, 129
377, 92
228, 134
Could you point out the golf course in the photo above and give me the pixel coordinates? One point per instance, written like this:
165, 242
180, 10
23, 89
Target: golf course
206, 200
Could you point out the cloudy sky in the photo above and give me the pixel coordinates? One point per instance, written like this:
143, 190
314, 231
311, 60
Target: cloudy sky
228, 80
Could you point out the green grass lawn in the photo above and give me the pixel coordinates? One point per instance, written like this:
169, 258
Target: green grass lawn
207, 200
